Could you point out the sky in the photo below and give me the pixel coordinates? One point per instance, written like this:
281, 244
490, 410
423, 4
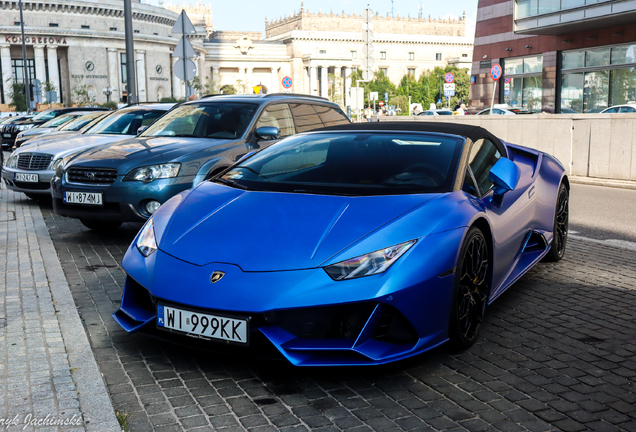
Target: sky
249, 15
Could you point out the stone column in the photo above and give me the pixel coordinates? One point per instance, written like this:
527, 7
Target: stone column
54, 76
249, 80
40, 68
7, 76
306, 84
274, 85
140, 67
216, 79
338, 84
177, 84
324, 82
347, 86
313, 81
113, 74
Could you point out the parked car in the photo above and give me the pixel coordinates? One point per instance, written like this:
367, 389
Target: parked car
436, 112
30, 168
360, 244
129, 180
7, 144
49, 126
11, 130
621, 109
74, 127
503, 109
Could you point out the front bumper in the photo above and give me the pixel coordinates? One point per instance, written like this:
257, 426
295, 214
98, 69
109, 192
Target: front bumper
123, 201
303, 315
42, 187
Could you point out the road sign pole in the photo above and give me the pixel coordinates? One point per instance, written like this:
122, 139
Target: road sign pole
130, 52
494, 90
185, 61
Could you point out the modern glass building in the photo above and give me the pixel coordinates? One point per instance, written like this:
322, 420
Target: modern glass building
558, 56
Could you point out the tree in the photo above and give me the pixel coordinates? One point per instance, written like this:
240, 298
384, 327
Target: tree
201, 88
228, 89
81, 96
17, 96
462, 84
380, 84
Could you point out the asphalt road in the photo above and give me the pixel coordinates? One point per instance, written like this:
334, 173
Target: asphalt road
603, 213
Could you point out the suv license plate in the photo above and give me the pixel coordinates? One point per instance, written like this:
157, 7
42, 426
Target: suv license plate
22, 177
90, 198
6, 135
203, 325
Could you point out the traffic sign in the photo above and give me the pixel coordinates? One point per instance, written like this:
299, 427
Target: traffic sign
184, 49
495, 72
449, 89
367, 74
449, 77
373, 96
287, 82
507, 80
183, 25
381, 103
386, 96
190, 69
367, 62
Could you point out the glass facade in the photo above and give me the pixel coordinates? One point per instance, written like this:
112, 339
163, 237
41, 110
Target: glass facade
528, 8
594, 79
522, 82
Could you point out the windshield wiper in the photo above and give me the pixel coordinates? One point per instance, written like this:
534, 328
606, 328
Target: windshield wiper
230, 183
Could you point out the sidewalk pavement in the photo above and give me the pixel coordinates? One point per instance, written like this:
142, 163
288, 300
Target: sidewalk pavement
622, 184
49, 379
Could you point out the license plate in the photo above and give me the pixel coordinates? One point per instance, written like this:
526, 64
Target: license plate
90, 198
31, 178
203, 326
6, 135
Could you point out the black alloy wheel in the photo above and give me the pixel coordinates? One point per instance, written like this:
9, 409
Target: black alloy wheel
560, 233
470, 293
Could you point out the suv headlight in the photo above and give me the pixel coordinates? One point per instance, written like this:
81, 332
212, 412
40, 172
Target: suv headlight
369, 264
146, 242
153, 172
25, 127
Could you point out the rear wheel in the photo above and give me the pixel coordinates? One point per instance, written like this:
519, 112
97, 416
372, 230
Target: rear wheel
470, 291
561, 219
97, 225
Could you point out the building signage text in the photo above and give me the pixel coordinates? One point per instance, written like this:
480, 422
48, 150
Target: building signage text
158, 79
36, 39
89, 76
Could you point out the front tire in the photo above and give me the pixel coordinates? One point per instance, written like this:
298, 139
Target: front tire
470, 290
561, 220
97, 225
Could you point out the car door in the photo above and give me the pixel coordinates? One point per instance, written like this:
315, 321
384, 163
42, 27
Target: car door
276, 115
510, 216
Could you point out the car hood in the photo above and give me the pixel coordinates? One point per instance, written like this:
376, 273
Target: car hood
63, 145
271, 231
140, 151
36, 131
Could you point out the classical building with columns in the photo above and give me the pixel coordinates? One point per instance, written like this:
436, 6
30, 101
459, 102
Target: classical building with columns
79, 44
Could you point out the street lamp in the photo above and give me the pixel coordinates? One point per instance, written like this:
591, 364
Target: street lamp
107, 91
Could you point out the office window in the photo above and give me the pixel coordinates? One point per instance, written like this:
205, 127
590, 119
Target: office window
384, 71
411, 56
464, 55
53, 25
16, 23
17, 69
122, 56
323, 51
354, 54
113, 29
438, 56
382, 55
411, 72
86, 27
136, 31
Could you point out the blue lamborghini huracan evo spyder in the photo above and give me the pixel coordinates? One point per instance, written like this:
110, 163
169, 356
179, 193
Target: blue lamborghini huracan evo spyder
359, 244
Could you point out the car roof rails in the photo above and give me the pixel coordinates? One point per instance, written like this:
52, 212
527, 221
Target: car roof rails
212, 95
298, 95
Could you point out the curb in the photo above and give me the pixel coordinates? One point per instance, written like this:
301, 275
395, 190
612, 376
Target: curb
95, 404
621, 184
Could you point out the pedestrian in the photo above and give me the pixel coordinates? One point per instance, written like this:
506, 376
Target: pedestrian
193, 97
368, 113
462, 109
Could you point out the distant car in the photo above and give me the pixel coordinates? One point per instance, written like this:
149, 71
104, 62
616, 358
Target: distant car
10, 131
499, 110
353, 245
30, 168
568, 111
620, 109
74, 127
7, 143
47, 127
436, 112
129, 180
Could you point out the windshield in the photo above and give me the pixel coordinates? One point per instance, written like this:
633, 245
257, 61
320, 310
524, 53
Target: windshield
82, 121
59, 121
125, 122
352, 163
227, 120
45, 115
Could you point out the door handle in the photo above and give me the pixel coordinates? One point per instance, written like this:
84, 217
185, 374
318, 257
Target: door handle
531, 192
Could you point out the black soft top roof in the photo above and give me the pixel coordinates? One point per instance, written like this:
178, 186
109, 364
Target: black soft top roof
469, 131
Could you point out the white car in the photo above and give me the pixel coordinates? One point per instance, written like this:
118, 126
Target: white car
503, 109
620, 109
436, 112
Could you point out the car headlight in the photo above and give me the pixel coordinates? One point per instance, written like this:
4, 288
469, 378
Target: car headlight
12, 162
369, 264
20, 135
153, 172
25, 127
146, 242
55, 164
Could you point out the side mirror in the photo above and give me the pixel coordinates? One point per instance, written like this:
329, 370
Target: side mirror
267, 132
505, 175
141, 129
